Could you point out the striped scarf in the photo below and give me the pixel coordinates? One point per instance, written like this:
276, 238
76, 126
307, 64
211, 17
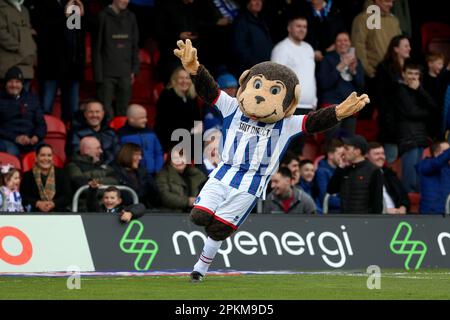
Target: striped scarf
47, 192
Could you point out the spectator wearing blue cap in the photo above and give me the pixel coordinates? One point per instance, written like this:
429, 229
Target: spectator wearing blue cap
227, 83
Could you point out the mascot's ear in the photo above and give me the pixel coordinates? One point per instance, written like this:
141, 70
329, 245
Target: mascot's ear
242, 79
290, 111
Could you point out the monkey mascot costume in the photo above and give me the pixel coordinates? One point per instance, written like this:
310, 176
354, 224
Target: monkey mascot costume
257, 127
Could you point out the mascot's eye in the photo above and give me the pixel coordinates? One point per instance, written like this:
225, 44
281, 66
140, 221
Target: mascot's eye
257, 84
275, 90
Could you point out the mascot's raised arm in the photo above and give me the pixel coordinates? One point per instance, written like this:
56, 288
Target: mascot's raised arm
259, 124
268, 92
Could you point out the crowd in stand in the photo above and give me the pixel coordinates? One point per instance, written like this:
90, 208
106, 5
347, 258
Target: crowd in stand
329, 46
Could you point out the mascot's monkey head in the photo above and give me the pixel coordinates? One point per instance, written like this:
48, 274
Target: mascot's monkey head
268, 92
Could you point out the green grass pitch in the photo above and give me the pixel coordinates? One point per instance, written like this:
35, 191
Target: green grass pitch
394, 285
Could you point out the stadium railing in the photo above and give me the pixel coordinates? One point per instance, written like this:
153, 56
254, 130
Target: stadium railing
325, 203
77, 195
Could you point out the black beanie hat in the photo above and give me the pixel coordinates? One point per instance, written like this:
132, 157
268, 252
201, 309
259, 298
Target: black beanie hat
14, 73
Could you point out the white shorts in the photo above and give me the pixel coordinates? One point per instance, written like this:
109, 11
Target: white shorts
227, 204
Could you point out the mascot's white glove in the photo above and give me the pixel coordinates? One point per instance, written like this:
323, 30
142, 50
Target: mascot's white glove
351, 105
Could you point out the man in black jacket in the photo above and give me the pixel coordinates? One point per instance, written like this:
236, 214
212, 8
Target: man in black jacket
22, 124
413, 107
395, 197
115, 56
360, 185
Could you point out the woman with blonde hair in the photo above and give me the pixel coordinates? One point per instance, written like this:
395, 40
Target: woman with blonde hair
177, 108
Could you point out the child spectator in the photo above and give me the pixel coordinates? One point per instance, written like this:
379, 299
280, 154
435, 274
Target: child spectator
10, 198
334, 158
413, 106
307, 182
435, 82
291, 162
112, 203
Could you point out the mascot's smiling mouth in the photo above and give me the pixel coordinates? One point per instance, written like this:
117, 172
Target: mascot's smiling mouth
253, 116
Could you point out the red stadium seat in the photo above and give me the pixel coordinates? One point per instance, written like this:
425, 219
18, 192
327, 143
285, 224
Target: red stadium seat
55, 126
310, 149
151, 115
87, 45
142, 86
432, 32
30, 158
367, 128
144, 57
414, 199
118, 122
156, 55
56, 136
6, 158
88, 72
157, 89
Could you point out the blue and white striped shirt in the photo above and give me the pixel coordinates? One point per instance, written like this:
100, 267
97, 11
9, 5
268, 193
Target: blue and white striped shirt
252, 150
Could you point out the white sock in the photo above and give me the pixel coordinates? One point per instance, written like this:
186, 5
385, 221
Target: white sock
209, 252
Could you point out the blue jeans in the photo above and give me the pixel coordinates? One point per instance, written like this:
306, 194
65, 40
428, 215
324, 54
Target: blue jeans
410, 178
9, 147
69, 97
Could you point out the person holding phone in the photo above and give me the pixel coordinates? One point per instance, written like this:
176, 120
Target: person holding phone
340, 74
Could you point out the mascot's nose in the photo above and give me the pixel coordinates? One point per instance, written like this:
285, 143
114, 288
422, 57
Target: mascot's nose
259, 99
